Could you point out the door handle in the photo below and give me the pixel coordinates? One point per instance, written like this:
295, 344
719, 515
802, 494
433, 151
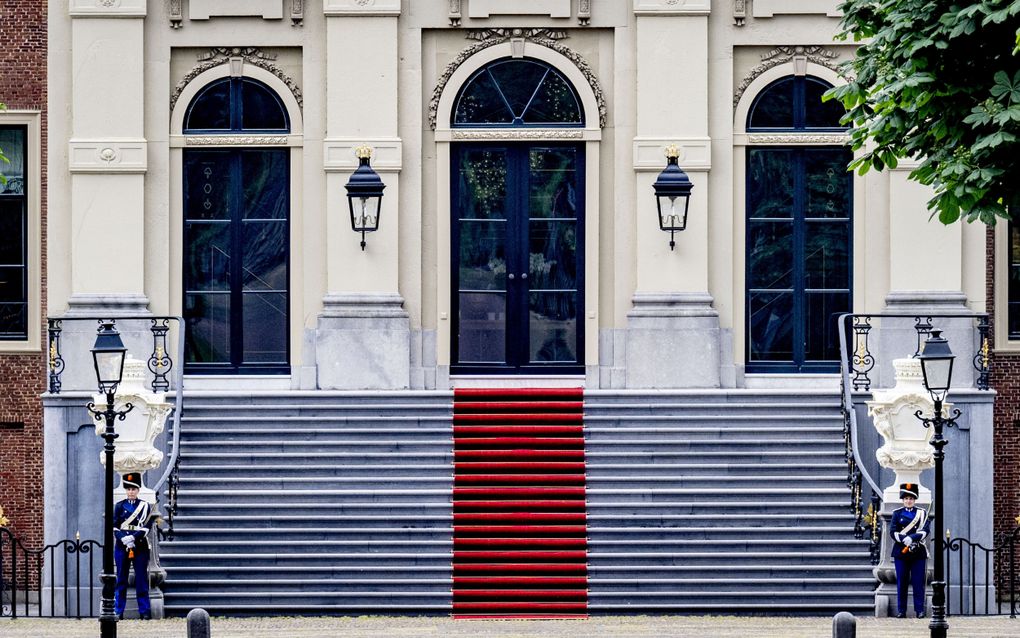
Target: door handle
524, 275
510, 276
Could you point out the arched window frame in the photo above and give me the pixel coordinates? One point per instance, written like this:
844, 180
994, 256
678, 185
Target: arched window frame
799, 106
235, 108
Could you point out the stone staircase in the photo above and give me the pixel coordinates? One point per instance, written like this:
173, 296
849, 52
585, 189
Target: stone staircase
341, 503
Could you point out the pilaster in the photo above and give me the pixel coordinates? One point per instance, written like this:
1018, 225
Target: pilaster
107, 157
363, 314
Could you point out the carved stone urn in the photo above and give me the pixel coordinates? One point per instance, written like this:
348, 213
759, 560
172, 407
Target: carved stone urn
906, 450
136, 451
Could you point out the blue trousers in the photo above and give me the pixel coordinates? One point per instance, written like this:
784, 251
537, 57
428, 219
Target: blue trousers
141, 565
910, 572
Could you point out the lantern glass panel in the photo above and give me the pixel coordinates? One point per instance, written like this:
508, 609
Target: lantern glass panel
673, 212
937, 374
109, 368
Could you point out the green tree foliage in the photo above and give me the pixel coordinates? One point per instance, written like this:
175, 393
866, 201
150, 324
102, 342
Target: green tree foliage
938, 81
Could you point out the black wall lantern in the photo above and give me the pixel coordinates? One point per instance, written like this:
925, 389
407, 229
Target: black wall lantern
673, 195
364, 195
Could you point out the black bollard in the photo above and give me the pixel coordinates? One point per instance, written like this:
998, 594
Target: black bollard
844, 625
198, 624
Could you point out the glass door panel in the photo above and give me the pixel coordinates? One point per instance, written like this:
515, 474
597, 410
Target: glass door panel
518, 258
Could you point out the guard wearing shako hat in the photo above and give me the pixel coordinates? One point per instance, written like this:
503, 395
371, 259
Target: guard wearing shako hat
909, 528
132, 519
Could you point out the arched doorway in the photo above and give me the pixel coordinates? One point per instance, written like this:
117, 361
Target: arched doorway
798, 231
517, 244
236, 254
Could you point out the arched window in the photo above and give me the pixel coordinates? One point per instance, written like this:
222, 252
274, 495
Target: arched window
794, 103
236, 104
518, 92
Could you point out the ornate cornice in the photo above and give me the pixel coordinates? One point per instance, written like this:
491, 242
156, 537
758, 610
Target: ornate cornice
519, 134
221, 55
782, 55
794, 138
236, 140
544, 37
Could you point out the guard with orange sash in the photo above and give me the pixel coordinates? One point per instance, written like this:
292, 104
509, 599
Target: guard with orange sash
909, 528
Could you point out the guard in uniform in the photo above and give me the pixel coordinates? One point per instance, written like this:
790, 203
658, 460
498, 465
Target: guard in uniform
909, 529
131, 522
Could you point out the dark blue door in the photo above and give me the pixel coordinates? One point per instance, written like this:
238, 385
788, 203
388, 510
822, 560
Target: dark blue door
518, 258
798, 257
236, 261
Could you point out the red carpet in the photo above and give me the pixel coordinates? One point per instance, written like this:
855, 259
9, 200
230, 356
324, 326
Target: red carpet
520, 543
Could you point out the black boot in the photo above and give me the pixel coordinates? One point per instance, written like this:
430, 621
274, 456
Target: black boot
902, 614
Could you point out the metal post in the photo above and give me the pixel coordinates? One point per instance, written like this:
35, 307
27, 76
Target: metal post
108, 617
938, 626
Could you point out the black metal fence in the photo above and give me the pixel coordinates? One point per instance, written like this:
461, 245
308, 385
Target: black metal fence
59, 580
983, 580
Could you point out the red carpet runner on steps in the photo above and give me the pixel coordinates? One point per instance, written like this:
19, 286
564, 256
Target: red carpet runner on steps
519, 527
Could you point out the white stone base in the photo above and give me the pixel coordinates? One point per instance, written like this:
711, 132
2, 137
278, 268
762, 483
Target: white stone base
673, 341
363, 342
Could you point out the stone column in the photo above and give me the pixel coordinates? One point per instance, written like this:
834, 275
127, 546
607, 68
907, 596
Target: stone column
673, 338
363, 334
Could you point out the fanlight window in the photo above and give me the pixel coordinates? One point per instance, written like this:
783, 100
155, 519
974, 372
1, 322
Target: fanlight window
795, 103
236, 104
518, 92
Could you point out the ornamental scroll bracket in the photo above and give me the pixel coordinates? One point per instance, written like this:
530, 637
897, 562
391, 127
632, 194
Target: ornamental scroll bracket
799, 56
490, 37
226, 55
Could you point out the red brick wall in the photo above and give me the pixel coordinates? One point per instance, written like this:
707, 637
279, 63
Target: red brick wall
23, 86
1005, 379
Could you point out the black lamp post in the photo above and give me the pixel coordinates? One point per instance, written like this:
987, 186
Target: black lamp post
673, 195
937, 367
108, 357
364, 195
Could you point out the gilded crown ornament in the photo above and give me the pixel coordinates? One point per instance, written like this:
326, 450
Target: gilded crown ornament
4, 522
672, 151
363, 152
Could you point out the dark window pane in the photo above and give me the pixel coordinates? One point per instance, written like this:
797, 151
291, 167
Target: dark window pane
208, 334
264, 246
207, 184
207, 256
482, 325
12, 232
210, 110
821, 335
826, 255
12, 143
552, 319
261, 109
552, 258
265, 327
553, 178
266, 178
518, 81
770, 326
483, 188
12, 284
828, 182
820, 114
13, 320
481, 103
482, 255
774, 107
770, 177
555, 103
769, 255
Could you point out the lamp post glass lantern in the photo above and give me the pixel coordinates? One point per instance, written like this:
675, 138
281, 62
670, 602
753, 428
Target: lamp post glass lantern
364, 195
673, 195
937, 367
108, 357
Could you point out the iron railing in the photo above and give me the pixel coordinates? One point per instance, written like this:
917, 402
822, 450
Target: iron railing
855, 367
26, 574
161, 364
984, 579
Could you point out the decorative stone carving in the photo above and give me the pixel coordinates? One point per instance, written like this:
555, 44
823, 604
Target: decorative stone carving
906, 450
297, 13
584, 12
107, 156
236, 140
250, 55
176, 13
455, 13
781, 55
768, 138
544, 37
739, 12
137, 432
519, 134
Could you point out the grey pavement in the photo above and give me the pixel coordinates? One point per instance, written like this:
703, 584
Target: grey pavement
601, 627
